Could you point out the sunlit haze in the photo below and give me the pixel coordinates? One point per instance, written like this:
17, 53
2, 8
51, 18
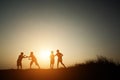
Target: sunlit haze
79, 29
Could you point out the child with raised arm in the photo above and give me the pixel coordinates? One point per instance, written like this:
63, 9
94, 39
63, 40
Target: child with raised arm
33, 60
59, 55
19, 60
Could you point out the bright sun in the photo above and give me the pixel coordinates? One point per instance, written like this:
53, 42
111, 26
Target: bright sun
44, 55
44, 58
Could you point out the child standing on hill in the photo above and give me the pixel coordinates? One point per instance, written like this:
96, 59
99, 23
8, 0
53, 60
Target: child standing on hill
19, 60
33, 60
52, 60
59, 55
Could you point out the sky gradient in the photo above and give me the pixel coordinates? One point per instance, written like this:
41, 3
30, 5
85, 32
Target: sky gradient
79, 29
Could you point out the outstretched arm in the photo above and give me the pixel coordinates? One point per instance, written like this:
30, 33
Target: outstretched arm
61, 54
25, 56
55, 54
29, 57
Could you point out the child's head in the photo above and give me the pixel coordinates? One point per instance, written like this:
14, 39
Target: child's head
22, 53
31, 53
57, 50
52, 52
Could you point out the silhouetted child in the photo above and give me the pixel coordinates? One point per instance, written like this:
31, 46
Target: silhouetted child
59, 55
19, 60
52, 60
33, 60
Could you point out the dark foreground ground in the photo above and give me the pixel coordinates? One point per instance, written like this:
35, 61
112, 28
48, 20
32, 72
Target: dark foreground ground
100, 69
78, 73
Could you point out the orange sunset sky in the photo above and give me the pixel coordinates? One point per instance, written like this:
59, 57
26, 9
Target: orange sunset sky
79, 29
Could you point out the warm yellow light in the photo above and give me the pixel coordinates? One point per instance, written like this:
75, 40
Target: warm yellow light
44, 55
44, 58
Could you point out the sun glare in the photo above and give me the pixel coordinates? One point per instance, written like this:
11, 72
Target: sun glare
43, 58
44, 55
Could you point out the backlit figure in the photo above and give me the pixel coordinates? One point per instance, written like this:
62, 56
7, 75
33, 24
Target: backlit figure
59, 55
52, 60
33, 60
19, 60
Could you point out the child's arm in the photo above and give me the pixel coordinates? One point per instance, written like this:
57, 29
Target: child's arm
25, 56
61, 54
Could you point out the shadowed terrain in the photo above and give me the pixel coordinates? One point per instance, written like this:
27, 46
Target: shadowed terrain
99, 69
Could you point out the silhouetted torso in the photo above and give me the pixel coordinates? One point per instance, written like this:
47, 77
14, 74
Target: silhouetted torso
52, 58
33, 58
20, 58
59, 56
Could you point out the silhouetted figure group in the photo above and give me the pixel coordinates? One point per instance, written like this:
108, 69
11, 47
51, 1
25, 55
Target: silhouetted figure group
31, 57
59, 60
34, 60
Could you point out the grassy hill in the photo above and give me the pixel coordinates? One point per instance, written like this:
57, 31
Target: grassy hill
99, 69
